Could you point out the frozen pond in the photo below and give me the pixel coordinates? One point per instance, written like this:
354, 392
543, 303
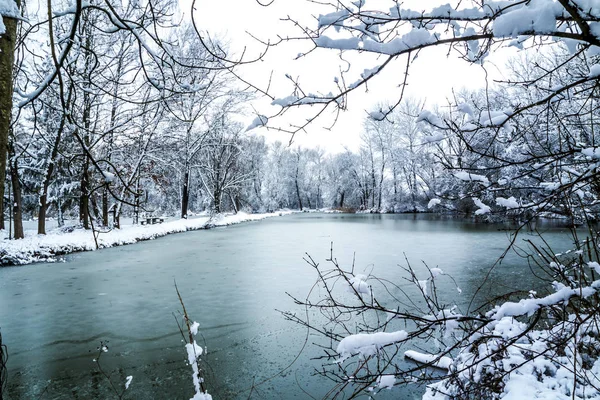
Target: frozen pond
233, 281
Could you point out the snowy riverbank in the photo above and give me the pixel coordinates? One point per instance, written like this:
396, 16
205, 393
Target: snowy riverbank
46, 248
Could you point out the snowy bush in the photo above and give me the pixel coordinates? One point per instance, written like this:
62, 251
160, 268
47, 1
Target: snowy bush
537, 347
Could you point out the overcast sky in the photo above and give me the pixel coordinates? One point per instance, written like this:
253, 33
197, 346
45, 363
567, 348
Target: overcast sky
432, 76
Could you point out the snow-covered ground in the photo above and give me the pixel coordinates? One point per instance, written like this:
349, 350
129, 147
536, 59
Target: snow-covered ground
36, 248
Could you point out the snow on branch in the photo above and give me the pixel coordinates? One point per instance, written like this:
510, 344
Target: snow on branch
431, 118
509, 203
467, 176
367, 344
412, 40
483, 208
259, 121
441, 362
529, 306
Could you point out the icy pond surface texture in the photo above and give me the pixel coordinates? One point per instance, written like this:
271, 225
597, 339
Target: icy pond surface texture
233, 281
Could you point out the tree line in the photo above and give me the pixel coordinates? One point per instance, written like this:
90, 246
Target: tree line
117, 109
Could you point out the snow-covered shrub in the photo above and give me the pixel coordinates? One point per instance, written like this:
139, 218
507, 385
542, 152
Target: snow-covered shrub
523, 347
537, 348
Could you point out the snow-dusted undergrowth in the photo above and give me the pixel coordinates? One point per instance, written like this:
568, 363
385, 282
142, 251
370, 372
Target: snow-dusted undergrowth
36, 248
544, 347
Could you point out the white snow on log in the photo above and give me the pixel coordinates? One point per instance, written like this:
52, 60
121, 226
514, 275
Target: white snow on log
423, 358
128, 381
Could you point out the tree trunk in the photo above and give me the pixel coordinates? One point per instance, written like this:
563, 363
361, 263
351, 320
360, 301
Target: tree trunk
395, 177
59, 216
43, 200
116, 218
342, 199
318, 197
42, 214
17, 201
136, 208
113, 118
234, 202
217, 199
46, 184
105, 207
414, 192
7, 58
84, 199
185, 193
297, 186
374, 184
96, 216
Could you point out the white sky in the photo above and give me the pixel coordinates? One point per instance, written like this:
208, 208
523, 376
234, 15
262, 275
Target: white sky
432, 76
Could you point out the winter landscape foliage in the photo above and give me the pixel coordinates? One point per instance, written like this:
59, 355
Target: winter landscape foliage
113, 109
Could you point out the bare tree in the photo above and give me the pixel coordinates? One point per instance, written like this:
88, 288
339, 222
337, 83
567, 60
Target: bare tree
8, 40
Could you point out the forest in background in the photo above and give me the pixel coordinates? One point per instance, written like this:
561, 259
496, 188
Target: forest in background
117, 113
118, 147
